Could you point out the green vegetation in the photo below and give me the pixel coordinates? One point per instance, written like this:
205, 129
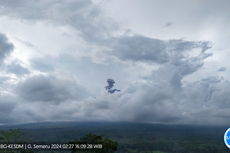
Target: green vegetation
131, 137
13, 136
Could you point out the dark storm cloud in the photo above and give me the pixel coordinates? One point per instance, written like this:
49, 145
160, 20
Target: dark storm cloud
180, 45
48, 89
163, 97
6, 108
40, 10
188, 65
81, 15
110, 86
140, 48
93, 33
112, 91
222, 69
17, 69
144, 49
5, 47
91, 24
212, 79
41, 66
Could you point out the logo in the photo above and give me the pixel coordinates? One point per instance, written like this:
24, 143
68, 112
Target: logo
227, 138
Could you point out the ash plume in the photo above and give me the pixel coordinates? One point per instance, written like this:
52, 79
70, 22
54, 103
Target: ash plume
110, 86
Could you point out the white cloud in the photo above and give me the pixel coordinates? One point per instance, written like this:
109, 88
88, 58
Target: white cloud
60, 54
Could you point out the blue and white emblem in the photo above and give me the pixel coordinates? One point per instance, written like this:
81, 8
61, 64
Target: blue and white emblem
227, 138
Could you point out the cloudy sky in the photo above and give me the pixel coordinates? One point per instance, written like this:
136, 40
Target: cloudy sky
168, 58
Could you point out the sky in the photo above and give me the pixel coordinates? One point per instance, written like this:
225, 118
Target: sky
168, 58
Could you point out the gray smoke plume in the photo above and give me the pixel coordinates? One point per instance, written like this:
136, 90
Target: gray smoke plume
110, 86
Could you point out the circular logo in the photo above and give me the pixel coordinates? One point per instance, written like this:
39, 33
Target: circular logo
227, 138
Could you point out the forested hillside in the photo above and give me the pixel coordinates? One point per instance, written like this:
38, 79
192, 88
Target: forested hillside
132, 137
